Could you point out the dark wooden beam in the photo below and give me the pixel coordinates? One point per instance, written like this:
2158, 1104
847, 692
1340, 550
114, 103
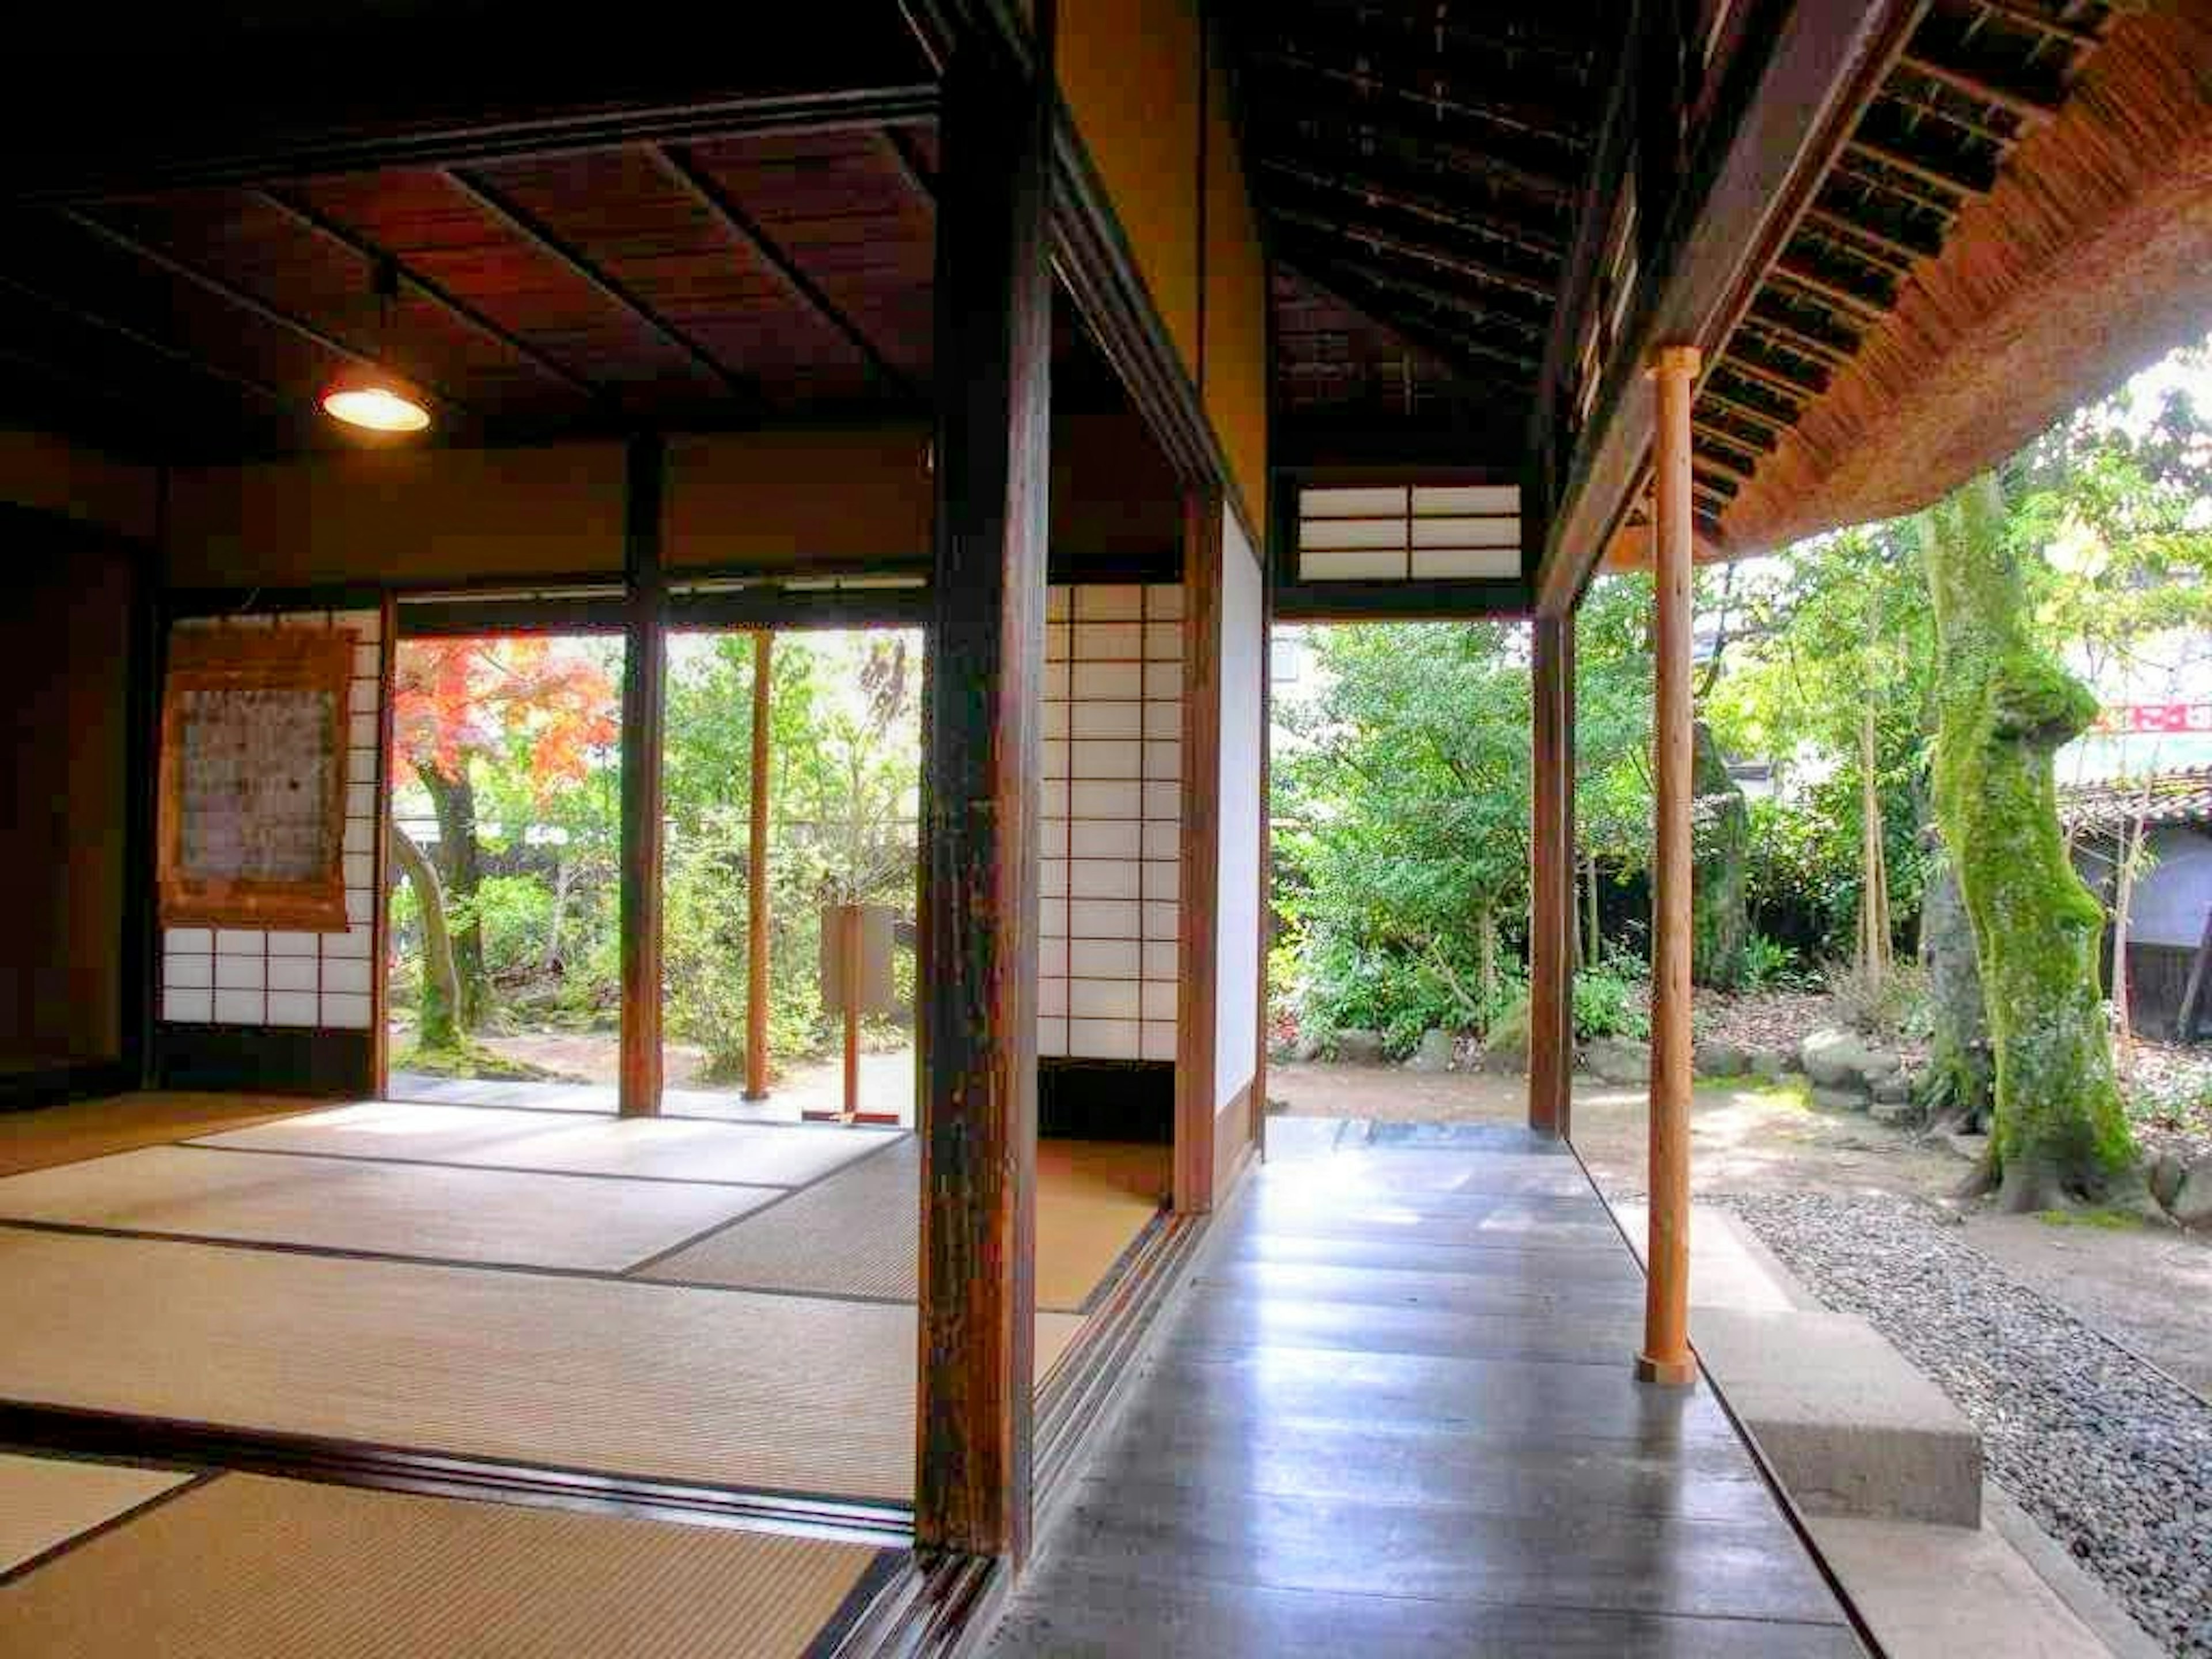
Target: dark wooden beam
645, 660
1312, 249
1763, 443
1788, 98
253, 304
1552, 883
1197, 972
321, 146
1431, 82
1796, 273
978, 1017
553, 245
1775, 379
297, 208
1835, 213
1864, 170
1863, 243
2038, 21
1466, 356
1919, 106
899, 146
1712, 392
1765, 318
684, 167
1729, 466
1936, 173
1399, 127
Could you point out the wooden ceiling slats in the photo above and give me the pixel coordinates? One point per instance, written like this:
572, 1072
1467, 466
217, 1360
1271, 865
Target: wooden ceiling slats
496, 201
1350, 129
1413, 199
2029, 108
1504, 294
1445, 84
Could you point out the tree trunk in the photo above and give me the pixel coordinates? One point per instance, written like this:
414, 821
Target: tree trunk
2002, 707
1959, 1091
1487, 940
2131, 852
1593, 940
563, 873
1875, 957
434, 1026
460, 863
1719, 923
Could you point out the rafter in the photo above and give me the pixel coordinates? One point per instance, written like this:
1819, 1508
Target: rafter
101, 323
1795, 272
1716, 481
1382, 241
253, 304
1712, 392
1789, 385
1415, 202
2034, 110
548, 242
1873, 246
1763, 444
1398, 282
1429, 141
1927, 172
1793, 336
683, 167
1921, 108
1861, 169
1727, 467
1466, 356
314, 219
2029, 17
1428, 80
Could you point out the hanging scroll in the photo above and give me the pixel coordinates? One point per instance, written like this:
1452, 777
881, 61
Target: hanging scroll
253, 785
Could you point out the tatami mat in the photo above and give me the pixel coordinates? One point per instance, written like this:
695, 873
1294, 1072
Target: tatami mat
93, 1128
48, 1501
667, 1149
715, 1387
858, 1233
247, 1566
392, 1209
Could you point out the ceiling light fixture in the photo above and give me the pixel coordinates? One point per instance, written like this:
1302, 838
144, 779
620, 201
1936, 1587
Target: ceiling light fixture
369, 396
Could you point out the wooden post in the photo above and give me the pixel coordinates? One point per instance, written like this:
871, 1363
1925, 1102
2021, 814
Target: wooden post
757, 891
1666, 1357
848, 956
644, 660
978, 1017
1197, 987
1552, 888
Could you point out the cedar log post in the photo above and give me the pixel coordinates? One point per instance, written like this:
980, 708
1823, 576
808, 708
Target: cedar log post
1198, 925
1551, 885
644, 658
756, 882
978, 1097
1666, 1356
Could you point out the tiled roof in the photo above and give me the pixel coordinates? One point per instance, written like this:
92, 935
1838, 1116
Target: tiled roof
2180, 796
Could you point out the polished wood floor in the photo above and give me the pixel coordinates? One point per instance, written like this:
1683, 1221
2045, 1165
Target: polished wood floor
1394, 1414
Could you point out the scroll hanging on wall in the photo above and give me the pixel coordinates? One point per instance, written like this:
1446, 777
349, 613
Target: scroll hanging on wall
254, 778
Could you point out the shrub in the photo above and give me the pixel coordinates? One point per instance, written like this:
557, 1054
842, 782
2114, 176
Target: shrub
1770, 965
1608, 1005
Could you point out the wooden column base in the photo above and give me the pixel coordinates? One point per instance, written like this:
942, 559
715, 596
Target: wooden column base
1666, 1373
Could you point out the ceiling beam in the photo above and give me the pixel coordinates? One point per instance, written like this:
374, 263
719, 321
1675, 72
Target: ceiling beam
2029, 17
684, 167
549, 243
1793, 335
1935, 173
1775, 379
298, 208
254, 305
1788, 98
1764, 444
1906, 188
1312, 253
1866, 241
1821, 286
1427, 79
1778, 419
1918, 108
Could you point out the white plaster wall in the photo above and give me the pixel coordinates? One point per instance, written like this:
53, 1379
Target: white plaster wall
1237, 1010
2170, 901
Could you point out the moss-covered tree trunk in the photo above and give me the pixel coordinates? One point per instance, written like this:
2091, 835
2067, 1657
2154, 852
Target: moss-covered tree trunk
1719, 923
1958, 1089
434, 1026
2003, 706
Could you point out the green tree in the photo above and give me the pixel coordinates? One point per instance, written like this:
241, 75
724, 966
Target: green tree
2003, 706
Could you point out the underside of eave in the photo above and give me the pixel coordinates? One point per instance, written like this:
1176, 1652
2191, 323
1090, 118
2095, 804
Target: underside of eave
2091, 257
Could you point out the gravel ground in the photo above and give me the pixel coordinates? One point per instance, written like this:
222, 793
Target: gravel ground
2112, 1457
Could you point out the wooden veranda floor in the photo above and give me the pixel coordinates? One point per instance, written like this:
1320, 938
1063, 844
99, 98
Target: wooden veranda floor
1394, 1413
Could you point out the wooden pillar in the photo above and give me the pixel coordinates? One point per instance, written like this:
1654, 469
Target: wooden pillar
1666, 1357
993, 343
1552, 878
1198, 925
757, 889
645, 658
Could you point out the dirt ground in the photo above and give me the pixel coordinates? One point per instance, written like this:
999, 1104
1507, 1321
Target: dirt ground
2150, 1290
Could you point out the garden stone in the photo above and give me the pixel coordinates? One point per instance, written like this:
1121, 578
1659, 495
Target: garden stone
1768, 1065
2192, 1205
1878, 1067
1838, 1100
2166, 1173
1359, 1047
1889, 1090
1897, 1114
1434, 1052
1720, 1059
1618, 1061
1833, 1057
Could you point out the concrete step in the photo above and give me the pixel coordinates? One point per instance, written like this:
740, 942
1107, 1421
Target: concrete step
1851, 1427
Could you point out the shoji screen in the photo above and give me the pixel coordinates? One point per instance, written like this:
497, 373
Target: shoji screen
1237, 904
1113, 805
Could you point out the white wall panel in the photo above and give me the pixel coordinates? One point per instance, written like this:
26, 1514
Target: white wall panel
1236, 903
